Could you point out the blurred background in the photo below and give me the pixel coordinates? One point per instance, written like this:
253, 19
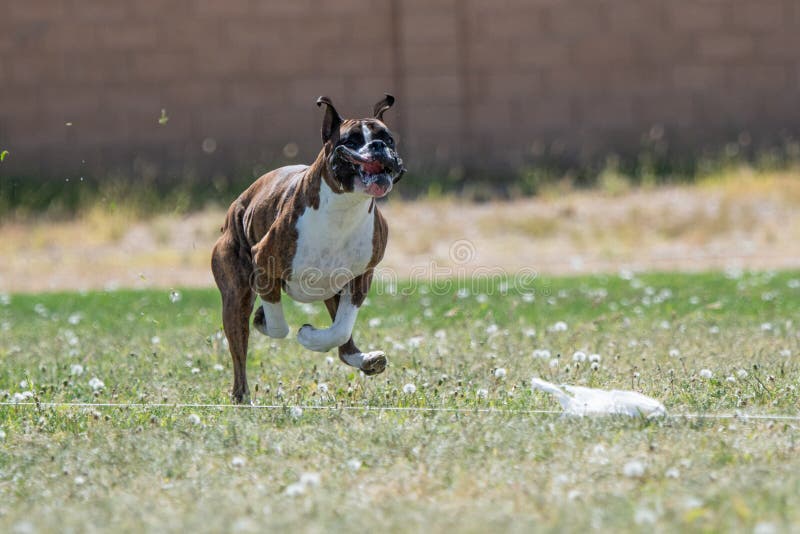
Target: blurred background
111, 110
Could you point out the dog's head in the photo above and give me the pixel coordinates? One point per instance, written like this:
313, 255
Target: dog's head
360, 153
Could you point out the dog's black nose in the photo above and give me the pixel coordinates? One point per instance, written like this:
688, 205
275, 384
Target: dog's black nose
376, 146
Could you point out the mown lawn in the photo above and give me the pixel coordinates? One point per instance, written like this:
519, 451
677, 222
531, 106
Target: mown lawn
711, 343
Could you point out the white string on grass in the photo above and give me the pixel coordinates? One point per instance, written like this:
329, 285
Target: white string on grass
412, 409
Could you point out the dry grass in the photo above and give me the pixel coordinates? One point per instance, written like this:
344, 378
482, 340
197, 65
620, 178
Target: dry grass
741, 219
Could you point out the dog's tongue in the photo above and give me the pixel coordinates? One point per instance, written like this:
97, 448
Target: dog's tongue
372, 167
375, 190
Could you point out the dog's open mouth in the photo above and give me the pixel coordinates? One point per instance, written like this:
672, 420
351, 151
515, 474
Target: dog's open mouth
374, 175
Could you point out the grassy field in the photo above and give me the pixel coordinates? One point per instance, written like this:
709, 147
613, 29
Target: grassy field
706, 343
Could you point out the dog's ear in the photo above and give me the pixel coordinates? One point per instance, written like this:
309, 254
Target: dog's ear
383, 105
332, 120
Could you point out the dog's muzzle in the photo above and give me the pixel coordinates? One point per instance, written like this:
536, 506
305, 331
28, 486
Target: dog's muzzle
377, 166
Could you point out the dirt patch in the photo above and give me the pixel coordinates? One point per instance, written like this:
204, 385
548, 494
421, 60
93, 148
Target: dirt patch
750, 222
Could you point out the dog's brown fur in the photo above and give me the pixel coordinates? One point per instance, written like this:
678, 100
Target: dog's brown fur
258, 243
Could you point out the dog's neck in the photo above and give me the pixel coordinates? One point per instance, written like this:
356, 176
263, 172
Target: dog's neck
329, 191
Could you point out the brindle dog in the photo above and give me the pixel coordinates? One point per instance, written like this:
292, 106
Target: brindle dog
313, 232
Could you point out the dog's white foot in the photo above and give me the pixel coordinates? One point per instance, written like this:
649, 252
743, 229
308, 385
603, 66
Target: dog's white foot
372, 363
273, 326
320, 340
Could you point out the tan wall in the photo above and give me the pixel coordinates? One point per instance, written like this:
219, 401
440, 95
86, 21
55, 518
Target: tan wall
490, 80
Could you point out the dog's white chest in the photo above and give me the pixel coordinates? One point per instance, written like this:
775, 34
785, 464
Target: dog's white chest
334, 246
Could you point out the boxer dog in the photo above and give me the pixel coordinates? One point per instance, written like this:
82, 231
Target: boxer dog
314, 232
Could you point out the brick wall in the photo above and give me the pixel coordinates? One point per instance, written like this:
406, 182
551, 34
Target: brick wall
484, 82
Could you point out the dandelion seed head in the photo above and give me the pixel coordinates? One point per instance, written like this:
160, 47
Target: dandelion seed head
76, 369
579, 356
706, 373
482, 393
741, 373
96, 384
296, 412
238, 461
633, 469
500, 373
194, 419
409, 389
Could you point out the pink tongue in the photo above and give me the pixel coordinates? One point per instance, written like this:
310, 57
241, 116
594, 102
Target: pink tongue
372, 167
375, 190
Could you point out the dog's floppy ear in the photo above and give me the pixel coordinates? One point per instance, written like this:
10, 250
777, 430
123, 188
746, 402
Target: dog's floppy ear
332, 120
383, 105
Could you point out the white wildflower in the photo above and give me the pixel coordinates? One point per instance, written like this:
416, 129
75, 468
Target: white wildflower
155, 340
492, 329
706, 373
530, 332
482, 393
558, 326
786, 353
175, 297
76, 369
75, 318
594, 358
409, 389
741, 373
730, 378
553, 363
296, 412
674, 353
544, 354
500, 373
79, 480
329, 360
415, 342
195, 370
310, 479
644, 516
595, 366
633, 469
322, 387
375, 322
579, 356
96, 384
194, 419
354, 464
238, 461
219, 367
672, 472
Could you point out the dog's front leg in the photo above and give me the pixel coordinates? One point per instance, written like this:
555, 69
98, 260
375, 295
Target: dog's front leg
374, 362
324, 339
269, 319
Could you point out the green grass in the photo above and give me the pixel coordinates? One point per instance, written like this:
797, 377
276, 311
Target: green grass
159, 469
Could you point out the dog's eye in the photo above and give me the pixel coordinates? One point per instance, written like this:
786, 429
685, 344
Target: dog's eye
389, 142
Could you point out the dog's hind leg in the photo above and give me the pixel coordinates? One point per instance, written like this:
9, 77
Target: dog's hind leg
232, 270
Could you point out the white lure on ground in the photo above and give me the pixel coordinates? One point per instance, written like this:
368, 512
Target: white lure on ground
580, 401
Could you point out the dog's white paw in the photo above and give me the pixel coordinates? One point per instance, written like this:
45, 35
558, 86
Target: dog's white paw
372, 363
314, 339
